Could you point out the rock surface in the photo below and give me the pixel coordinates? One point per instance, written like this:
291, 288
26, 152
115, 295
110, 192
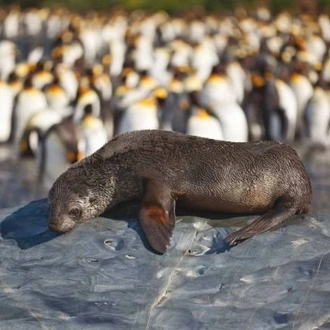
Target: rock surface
103, 275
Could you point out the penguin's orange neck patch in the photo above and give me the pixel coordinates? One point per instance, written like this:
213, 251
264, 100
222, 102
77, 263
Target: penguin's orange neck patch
54, 89
16, 84
73, 157
24, 146
89, 121
32, 90
217, 78
160, 93
43, 75
176, 86
122, 90
202, 113
86, 96
148, 82
295, 77
149, 102
84, 90
80, 156
257, 80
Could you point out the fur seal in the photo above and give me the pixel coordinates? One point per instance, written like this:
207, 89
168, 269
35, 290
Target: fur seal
164, 168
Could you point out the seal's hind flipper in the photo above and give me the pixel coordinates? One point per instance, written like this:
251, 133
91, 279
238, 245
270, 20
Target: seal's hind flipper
270, 219
157, 215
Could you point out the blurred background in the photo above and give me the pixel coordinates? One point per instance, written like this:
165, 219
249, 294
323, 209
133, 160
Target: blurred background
73, 74
297, 6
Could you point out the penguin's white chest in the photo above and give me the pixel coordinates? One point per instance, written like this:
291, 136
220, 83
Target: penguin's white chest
55, 162
233, 122
139, 117
205, 127
7, 100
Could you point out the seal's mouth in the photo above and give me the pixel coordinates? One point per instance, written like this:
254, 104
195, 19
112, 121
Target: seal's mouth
54, 227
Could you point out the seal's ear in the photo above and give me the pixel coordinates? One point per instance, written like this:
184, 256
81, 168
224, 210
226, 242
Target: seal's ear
157, 215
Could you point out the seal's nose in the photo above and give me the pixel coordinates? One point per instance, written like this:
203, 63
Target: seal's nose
52, 226
60, 225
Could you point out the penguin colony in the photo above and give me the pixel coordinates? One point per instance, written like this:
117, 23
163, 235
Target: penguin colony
69, 82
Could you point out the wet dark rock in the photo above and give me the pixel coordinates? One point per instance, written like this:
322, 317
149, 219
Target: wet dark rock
102, 276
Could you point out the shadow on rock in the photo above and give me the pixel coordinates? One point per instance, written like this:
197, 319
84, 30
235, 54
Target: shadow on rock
129, 212
28, 226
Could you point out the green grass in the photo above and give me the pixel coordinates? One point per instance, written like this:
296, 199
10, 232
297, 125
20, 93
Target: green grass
172, 6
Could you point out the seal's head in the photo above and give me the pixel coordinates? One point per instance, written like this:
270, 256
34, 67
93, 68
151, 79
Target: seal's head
76, 197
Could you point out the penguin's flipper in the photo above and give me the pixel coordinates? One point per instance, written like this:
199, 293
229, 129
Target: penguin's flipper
284, 121
157, 215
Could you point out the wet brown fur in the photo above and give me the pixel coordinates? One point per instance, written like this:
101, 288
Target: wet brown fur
162, 168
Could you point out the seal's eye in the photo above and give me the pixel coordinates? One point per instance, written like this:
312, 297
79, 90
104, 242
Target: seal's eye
75, 212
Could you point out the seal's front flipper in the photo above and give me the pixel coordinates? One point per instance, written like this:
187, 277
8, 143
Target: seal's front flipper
157, 215
270, 219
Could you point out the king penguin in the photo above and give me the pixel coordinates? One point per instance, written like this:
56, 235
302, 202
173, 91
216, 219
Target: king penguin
6, 113
219, 97
317, 118
303, 90
29, 101
203, 124
142, 114
36, 127
140, 106
92, 131
59, 148
288, 103
86, 95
